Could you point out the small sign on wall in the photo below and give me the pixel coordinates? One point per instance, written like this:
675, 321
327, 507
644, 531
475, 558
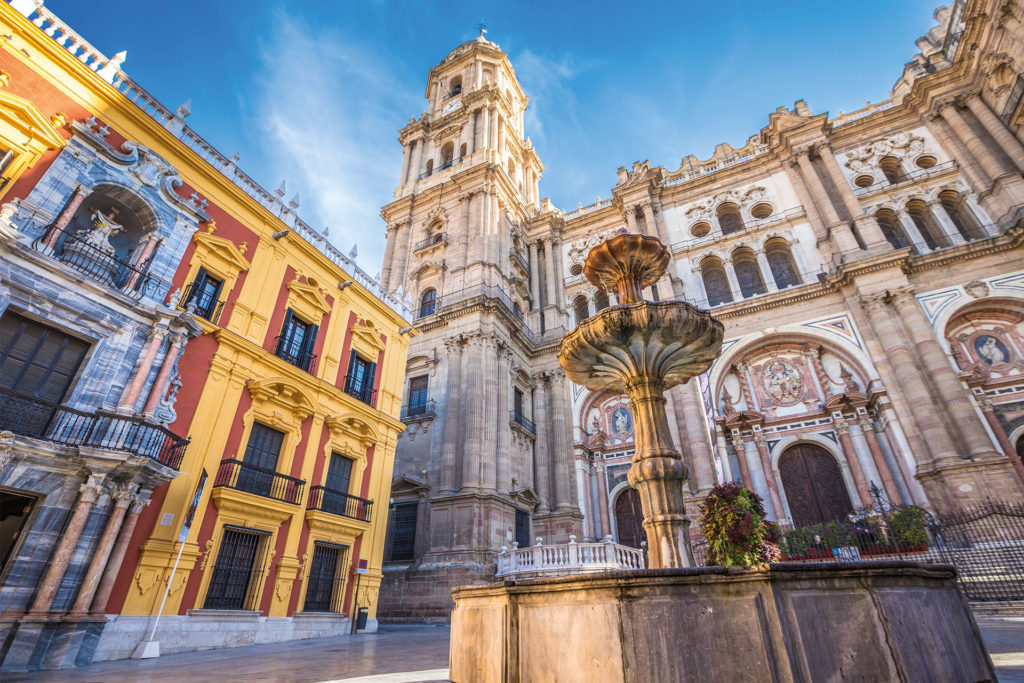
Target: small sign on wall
362, 568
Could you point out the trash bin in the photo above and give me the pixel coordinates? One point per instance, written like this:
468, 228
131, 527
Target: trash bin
361, 618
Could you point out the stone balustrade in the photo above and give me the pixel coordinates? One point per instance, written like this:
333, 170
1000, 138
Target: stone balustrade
567, 558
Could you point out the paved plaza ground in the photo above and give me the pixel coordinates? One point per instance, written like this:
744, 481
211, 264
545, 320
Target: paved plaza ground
398, 653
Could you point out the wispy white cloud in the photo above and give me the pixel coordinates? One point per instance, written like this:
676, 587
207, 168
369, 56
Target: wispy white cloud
548, 82
329, 110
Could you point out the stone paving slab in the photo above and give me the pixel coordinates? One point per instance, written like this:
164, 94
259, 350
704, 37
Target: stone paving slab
1004, 638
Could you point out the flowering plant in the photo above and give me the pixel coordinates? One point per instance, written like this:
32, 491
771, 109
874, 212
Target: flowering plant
733, 521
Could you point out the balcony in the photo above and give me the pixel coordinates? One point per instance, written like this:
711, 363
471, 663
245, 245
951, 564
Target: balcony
517, 257
567, 559
338, 503
240, 476
30, 417
446, 165
301, 360
420, 411
518, 419
440, 239
206, 308
78, 253
364, 394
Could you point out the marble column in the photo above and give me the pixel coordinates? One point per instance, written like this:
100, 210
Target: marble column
988, 410
723, 457
417, 162
549, 272
541, 453
534, 277
878, 457
560, 441
913, 234
734, 283
950, 388
160, 385
122, 499
493, 134
152, 242
988, 161
859, 481
701, 451
106, 587
406, 158
769, 476
945, 222
870, 232
132, 390
602, 497
389, 253
740, 447
90, 492
503, 454
652, 225
466, 206
766, 271
492, 421
839, 231
807, 202
896, 347
631, 220
66, 214
473, 410
485, 127
948, 140
1010, 145
452, 446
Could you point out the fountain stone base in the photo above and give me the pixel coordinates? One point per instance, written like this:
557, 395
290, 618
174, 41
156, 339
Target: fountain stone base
876, 621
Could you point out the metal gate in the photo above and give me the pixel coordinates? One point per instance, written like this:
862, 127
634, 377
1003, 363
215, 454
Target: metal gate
986, 545
238, 570
326, 588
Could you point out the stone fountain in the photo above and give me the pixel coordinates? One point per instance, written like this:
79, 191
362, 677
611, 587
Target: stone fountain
641, 349
674, 622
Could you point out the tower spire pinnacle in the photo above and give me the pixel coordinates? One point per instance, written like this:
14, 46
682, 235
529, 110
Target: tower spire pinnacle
483, 27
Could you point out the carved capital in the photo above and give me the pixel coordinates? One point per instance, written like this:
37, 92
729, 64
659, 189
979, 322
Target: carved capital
874, 304
841, 427
91, 490
904, 296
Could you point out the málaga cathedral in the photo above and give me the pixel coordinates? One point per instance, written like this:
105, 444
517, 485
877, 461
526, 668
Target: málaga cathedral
868, 268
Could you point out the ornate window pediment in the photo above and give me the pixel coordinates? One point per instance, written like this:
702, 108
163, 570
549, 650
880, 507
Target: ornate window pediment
307, 300
281, 393
366, 339
25, 132
352, 428
219, 255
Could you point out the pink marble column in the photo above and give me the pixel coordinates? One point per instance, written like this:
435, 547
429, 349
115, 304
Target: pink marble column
989, 412
741, 457
122, 498
77, 197
160, 385
888, 482
99, 601
861, 484
90, 491
602, 498
147, 251
134, 388
769, 476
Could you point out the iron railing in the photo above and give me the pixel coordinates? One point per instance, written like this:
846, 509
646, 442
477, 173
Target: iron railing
440, 167
104, 267
985, 543
241, 476
364, 393
31, 417
439, 238
419, 411
325, 591
301, 360
515, 417
209, 309
338, 503
520, 259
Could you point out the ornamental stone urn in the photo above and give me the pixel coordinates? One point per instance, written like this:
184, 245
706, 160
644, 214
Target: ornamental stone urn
642, 348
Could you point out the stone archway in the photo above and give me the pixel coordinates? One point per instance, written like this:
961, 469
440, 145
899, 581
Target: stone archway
813, 484
629, 519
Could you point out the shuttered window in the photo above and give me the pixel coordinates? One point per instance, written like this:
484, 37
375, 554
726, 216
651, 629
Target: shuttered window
359, 380
339, 473
37, 360
297, 341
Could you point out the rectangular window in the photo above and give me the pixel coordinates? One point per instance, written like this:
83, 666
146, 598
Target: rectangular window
403, 532
359, 381
522, 528
417, 395
37, 361
339, 473
261, 455
204, 292
517, 401
326, 588
296, 342
236, 576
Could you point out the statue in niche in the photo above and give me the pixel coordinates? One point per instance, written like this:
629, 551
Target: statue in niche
991, 350
103, 228
782, 382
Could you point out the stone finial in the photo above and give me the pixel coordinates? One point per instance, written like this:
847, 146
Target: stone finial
211, 227
539, 541
185, 108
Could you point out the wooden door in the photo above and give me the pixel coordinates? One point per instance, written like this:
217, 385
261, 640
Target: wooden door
629, 518
814, 485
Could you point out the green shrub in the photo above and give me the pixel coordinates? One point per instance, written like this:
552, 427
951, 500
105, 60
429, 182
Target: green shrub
908, 526
733, 521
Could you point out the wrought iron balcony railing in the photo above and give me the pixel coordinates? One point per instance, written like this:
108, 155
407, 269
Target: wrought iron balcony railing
438, 238
515, 417
520, 259
241, 476
338, 503
364, 393
71, 249
301, 360
205, 307
419, 411
27, 416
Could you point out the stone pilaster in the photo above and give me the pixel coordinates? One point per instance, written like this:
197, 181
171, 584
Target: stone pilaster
769, 476
541, 446
452, 449
892, 491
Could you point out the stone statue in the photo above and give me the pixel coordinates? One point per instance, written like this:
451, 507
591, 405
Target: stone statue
103, 228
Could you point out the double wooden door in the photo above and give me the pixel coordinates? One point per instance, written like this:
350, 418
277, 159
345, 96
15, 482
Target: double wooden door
814, 485
629, 519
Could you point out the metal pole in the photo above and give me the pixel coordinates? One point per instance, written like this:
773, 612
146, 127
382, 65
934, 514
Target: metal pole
144, 651
355, 604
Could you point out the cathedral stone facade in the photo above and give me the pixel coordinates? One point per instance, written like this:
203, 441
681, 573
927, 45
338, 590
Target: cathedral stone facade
867, 266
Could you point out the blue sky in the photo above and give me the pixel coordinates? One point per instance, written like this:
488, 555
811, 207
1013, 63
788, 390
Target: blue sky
314, 92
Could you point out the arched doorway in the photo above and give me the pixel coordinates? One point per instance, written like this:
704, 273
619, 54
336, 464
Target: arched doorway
814, 485
629, 518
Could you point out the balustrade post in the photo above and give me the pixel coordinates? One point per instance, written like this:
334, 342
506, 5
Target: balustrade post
574, 551
515, 556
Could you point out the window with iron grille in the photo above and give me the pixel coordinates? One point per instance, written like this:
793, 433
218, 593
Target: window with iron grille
35, 360
417, 396
261, 453
297, 340
203, 292
325, 591
403, 532
517, 401
522, 528
339, 473
359, 381
236, 576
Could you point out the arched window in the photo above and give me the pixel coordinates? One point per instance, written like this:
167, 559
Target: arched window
926, 224
428, 302
512, 169
600, 300
716, 282
455, 86
462, 150
429, 169
748, 272
961, 216
447, 153
892, 169
780, 260
889, 222
729, 218
581, 308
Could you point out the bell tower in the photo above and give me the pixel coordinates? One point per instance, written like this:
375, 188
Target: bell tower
486, 459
